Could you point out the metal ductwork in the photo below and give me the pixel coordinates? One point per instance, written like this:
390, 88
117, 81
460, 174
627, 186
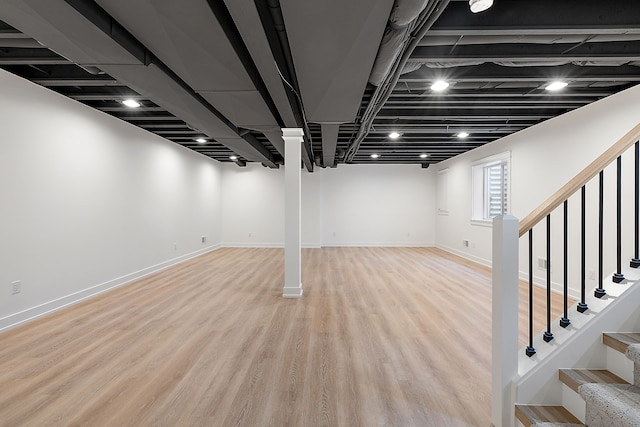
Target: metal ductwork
417, 29
401, 22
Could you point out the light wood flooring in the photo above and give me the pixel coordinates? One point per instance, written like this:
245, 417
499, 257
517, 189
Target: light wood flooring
381, 337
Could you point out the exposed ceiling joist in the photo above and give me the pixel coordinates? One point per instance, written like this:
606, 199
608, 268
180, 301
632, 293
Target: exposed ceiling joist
216, 70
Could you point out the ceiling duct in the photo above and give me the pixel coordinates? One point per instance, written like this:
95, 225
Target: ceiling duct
419, 26
401, 22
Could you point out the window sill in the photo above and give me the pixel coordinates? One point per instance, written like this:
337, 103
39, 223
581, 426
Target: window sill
482, 222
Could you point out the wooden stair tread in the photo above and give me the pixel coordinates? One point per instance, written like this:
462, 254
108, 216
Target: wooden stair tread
576, 377
621, 340
532, 414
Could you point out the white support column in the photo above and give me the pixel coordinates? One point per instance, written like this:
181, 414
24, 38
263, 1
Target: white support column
292, 234
504, 297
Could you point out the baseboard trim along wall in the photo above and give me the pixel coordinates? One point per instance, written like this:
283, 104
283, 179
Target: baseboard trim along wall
465, 255
331, 245
32, 313
558, 288
377, 245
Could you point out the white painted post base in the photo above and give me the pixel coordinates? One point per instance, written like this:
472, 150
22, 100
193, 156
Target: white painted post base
292, 291
504, 302
292, 212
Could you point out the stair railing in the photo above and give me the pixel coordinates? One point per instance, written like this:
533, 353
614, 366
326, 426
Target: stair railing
506, 234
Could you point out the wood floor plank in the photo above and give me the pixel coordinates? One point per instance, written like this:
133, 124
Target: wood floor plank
382, 336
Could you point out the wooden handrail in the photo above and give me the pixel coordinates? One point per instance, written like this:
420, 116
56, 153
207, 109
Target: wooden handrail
579, 180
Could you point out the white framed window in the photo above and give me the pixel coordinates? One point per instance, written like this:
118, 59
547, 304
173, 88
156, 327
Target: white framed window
490, 187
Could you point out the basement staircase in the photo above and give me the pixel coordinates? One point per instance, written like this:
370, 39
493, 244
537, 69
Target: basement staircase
607, 399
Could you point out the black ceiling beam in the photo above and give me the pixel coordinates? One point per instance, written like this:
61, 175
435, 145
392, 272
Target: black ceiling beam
431, 106
103, 96
273, 25
225, 20
126, 109
552, 16
424, 113
406, 102
612, 51
497, 93
88, 82
495, 73
107, 24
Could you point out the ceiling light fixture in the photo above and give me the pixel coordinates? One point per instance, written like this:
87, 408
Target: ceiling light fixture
480, 5
439, 85
375, 156
131, 103
234, 158
394, 135
557, 85
462, 135
424, 156
201, 140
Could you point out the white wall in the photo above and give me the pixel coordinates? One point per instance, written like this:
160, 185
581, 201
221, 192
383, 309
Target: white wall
378, 205
543, 158
89, 202
352, 205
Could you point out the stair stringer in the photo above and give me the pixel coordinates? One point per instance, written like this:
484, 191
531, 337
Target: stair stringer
580, 344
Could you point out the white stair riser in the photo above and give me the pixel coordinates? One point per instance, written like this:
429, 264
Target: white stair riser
573, 402
619, 365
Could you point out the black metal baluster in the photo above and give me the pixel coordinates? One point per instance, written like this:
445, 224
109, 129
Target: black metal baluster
548, 336
530, 351
582, 305
618, 276
635, 262
564, 322
600, 292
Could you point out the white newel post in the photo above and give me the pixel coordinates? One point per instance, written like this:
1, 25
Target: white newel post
504, 296
292, 176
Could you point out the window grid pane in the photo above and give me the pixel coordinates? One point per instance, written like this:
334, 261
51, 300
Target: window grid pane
496, 190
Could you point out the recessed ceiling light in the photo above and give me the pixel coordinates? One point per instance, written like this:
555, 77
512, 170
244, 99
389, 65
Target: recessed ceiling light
131, 103
557, 85
424, 156
462, 135
439, 85
480, 5
234, 158
375, 156
201, 140
394, 135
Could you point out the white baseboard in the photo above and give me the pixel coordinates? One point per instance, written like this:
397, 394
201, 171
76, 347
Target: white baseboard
377, 245
332, 245
23, 316
252, 245
292, 291
465, 255
558, 288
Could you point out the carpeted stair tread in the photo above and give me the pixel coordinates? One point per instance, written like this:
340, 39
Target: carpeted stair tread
621, 340
612, 404
542, 415
574, 378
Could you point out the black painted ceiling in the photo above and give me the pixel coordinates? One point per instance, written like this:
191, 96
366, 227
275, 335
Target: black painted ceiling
237, 71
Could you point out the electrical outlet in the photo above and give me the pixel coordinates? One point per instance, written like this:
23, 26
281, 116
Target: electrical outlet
542, 263
249, 234
16, 287
465, 243
204, 239
175, 246
592, 275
